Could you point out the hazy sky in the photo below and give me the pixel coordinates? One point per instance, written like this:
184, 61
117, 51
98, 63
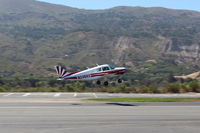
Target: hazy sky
104, 4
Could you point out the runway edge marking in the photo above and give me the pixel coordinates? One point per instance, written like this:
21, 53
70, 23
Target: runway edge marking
94, 95
57, 94
8, 94
75, 95
26, 94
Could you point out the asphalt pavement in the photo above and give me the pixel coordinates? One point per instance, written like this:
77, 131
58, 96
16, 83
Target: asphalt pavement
66, 113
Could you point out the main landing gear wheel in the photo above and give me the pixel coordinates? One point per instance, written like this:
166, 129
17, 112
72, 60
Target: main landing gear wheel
119, 81
106, 83
98, 82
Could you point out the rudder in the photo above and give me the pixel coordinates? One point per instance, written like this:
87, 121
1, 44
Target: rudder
61, 71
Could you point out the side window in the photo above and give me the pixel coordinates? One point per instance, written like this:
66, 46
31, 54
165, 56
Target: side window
106, 68
99, 69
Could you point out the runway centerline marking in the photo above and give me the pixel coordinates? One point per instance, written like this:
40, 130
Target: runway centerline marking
27, 94
8, 94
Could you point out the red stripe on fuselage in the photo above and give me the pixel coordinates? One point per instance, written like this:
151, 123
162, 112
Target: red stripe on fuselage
72, 73
109, 72
70, 78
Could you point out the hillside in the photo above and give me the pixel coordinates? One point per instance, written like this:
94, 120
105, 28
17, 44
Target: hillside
35, 36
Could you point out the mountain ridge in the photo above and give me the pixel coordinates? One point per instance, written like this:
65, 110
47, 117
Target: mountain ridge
40, 35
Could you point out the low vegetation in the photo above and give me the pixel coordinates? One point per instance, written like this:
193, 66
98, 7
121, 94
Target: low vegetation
52, 85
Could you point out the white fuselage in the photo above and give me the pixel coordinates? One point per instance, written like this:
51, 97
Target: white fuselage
94, 73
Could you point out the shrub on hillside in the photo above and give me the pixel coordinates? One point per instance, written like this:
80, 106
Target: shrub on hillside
194, 86
147, 89
2, 89
172, 88
75, 86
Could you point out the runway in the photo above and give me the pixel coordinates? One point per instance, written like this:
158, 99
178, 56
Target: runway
75, 95
65, 112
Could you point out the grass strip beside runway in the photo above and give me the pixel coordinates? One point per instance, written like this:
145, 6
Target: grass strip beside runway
169, 99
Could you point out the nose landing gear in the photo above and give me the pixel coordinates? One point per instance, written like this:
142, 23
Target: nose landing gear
119, 81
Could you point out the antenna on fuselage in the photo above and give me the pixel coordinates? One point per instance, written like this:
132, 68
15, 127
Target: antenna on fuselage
97, 64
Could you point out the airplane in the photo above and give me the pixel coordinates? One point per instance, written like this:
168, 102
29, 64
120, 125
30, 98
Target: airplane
91, 73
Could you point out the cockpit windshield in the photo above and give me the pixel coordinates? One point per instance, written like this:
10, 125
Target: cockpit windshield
112, 67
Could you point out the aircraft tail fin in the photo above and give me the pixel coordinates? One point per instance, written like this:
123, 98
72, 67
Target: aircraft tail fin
61, 72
